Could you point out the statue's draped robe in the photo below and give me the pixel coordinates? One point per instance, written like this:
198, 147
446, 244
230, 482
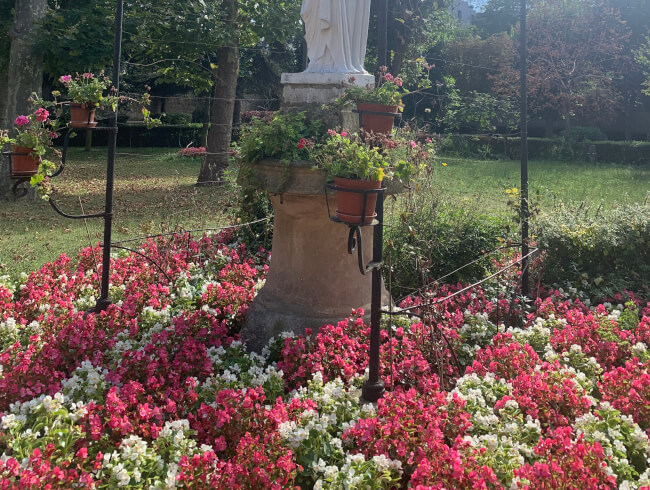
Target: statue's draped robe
336, 34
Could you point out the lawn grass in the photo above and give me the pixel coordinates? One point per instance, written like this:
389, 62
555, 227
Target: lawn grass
484, 182
155, 192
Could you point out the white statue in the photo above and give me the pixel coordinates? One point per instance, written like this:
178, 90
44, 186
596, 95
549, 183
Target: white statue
336, 34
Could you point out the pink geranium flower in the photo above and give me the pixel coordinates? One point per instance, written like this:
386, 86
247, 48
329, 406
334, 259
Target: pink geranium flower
66, 79
88, 76
21, 121
41, 115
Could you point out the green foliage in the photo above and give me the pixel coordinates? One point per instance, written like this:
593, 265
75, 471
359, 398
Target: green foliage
348, 157
176, 119
278, 139
643, 58
498, 16
89, 89
478, 112
431, 239
600, 252
389, 91
254, 206
77, 36
580, 134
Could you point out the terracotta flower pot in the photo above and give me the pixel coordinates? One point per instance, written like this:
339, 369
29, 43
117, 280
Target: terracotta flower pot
350, 204
377, 123
82, 116
22, 163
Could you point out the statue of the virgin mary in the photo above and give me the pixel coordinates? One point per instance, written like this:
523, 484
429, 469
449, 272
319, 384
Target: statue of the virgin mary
336, 34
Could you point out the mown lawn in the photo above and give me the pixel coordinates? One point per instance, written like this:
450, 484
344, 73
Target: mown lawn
485, 182
155, 193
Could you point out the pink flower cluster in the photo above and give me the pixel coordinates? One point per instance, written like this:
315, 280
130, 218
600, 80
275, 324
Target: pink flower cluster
156, 350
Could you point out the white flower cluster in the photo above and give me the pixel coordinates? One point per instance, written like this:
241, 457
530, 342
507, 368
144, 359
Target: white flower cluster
315, 435
624, 442
358, 473
86, 383
234, 368
85, 298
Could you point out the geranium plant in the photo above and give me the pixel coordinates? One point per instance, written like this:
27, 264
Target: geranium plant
34, 132
89, 89
389, 91
346, 156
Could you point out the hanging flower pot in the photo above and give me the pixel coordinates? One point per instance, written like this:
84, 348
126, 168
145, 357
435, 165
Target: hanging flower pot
377, 123
82, 115
23, 164
350, 204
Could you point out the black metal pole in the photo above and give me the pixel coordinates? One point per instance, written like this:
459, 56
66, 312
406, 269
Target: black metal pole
104, 301
525, 212
382, 34
373, 389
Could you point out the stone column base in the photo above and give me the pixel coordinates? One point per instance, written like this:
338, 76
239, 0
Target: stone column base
312, 280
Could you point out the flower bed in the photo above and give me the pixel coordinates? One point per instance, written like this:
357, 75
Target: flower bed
158, 391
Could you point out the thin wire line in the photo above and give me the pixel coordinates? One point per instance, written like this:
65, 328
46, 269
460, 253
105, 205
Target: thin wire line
231, 227
471, 286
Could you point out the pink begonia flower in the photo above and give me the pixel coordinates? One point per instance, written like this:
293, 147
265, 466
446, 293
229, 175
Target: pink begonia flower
413, 144
389, 77
66, 79
21, 121
344, 133
41, 115
88, 76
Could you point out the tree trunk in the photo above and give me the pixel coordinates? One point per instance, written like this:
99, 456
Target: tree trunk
89, 141
25, 72
220, 133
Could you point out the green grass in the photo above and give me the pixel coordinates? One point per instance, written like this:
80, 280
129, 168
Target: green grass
154, 193
485, 182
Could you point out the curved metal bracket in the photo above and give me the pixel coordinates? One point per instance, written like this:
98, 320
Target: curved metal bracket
24, 190
355, 244
72, 216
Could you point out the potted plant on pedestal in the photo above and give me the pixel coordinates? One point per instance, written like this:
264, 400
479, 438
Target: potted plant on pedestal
378, 105
356, 167
86, 92
33, 140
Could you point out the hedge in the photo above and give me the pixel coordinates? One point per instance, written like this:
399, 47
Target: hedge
625, 152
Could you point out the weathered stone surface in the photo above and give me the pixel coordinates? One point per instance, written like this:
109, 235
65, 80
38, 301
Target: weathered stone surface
315, 89
312, 279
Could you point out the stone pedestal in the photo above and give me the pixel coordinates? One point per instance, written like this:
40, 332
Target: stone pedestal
307, 92
312, 279
304, 89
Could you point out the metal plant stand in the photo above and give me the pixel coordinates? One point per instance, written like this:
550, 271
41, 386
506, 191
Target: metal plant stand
104, 301
373, 389
17, 178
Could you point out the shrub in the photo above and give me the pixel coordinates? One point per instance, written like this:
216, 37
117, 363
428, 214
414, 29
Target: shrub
579, 134
599, 252
176, 119
436, 240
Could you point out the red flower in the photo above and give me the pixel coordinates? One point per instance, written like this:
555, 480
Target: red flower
41, 115
302, 143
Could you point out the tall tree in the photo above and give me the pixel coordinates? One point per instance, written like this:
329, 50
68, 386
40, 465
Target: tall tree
25, 69
498, 16
576, 51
